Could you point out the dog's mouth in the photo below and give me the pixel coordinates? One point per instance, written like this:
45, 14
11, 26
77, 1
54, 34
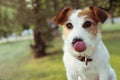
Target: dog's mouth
79, 45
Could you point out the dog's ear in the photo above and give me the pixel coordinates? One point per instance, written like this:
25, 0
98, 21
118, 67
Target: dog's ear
62, 16
99, 13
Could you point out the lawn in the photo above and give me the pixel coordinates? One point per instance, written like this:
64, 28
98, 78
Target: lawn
17, 62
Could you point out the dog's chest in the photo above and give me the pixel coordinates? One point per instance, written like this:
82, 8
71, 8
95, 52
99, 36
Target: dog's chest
83, 71
88, 73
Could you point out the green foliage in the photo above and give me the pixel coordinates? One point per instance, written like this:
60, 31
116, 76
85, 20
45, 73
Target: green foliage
7, 24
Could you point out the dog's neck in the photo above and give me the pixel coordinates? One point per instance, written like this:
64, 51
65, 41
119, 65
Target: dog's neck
85, 59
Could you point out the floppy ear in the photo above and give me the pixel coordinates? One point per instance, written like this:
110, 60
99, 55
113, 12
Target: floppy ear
99, 13
62, 16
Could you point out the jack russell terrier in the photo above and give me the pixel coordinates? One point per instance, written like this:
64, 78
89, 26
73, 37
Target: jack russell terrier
85, 55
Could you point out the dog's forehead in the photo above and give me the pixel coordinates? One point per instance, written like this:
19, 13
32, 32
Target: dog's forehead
75, 16
82, 15
75, 13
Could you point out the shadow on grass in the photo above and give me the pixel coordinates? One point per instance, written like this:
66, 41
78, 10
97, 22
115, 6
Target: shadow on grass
54, 52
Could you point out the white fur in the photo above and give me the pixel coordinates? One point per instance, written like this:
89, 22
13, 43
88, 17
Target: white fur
99, 68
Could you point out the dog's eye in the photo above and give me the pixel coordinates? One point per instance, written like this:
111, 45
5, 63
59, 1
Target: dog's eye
69, 25
87, 24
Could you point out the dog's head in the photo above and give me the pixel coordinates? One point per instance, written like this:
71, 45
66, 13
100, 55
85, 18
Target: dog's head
81, 32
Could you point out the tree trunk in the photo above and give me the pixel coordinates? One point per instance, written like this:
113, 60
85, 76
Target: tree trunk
39, 46
111, 6
55, 4
94, 3
75, 4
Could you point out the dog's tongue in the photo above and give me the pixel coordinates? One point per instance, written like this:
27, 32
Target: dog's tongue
79, 46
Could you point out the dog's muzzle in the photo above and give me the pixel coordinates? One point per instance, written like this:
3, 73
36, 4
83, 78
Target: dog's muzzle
79, 45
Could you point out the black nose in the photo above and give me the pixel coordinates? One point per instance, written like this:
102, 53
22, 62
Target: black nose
76, 39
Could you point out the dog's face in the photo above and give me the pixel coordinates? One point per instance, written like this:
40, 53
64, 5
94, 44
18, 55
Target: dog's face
81, 32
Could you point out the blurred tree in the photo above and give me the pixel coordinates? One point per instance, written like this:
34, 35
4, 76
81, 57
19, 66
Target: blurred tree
7, 21
33, 12
75, 3
113, 4
39, 46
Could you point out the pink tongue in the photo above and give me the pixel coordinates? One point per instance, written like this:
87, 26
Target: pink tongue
79, 46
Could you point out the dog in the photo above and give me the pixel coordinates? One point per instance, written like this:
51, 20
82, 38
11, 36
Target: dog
85, 55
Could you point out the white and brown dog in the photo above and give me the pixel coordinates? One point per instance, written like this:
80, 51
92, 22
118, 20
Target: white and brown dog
85, 56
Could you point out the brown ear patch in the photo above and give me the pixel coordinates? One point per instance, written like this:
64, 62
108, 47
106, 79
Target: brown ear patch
99, 13
62, 16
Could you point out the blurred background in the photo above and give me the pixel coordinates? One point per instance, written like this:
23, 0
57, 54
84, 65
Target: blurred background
31, 45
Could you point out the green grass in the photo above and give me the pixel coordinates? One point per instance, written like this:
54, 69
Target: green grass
17, 62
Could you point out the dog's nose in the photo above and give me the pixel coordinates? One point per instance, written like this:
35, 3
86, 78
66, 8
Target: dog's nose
76, 39
79, 45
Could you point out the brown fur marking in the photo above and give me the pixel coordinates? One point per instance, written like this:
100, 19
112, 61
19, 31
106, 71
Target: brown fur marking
62, 16
65, 31
96, 15
93, 29
99, 13
89, 14
92, 18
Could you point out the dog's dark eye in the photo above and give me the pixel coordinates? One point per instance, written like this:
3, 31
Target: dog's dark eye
87, 24
69, 25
